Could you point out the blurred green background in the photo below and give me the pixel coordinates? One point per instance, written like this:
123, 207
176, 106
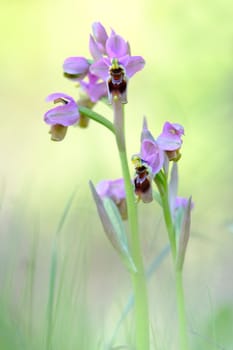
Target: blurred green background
188, 79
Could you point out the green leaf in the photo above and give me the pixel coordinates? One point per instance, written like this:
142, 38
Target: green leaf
53, 271
155, 264
184, 235
219, 326
113, 227
173, 186
216, 331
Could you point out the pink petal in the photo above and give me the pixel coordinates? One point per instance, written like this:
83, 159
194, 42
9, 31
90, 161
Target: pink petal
153, 155
99, 33
94, 49
116, 46
76, 65
135, 64
101, 68
65, 114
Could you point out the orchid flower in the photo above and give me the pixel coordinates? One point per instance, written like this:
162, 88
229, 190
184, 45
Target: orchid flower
62, 116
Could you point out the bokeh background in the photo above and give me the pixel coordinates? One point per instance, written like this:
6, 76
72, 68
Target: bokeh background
188, 79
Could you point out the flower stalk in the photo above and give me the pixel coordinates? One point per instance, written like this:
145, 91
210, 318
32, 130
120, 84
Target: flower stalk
141, 310
162, 185
163, 189
180, 301
96, 117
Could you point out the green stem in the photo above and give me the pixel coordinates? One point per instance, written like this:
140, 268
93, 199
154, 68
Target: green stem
142, 340
168, 220
96, 117
183, 339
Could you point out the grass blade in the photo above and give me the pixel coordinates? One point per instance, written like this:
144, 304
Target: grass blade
53, 272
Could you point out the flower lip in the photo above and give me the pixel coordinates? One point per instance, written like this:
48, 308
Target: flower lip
142, 179
65, 114
117, 82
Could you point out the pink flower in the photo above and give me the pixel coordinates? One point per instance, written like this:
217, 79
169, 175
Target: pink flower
62, 116
117, 67
170, 138
65, 114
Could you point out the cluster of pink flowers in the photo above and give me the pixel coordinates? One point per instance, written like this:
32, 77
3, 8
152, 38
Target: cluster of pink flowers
106, 73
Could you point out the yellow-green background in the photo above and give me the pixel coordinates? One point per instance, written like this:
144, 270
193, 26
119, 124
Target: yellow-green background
188, 79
